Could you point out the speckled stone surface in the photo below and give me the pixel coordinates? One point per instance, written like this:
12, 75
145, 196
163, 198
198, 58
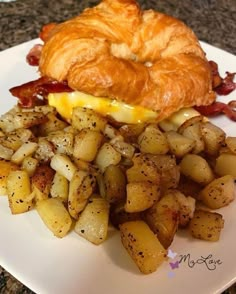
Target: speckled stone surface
214, 21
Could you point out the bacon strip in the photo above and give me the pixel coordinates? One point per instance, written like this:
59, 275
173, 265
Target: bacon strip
35, 92
34, 55
219, 108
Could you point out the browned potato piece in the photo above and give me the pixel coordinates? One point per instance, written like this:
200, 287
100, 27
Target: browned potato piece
93, 221
55, 216
45, 150
125, 149
5, 168
231, 144
63, 165
163, 219
41, 182
84, 118
226, 165
86, 144
114, 184
19, 192
196, 168
62, 142
26, 149
153, 141
5, 152
131, 132
220, 192
206, 225
118, 215
141, 196
189, 188
15, 139
29, 164
59, 187
106, 156
142, 245
143, 170
213, 137
179, 145
80, 189
52, 125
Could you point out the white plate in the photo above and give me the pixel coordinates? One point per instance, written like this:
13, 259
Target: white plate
72, 265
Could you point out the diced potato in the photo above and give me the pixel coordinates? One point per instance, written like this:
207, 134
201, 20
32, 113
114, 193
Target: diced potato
18, 191
80, 189
196, 168
41, 182
153, 141
186, 207
114, 184
29, 164
15, 139
52, 125
55, 216
26, 149
131, 132
226, 165
213, 137
142, 245
5, 153
118, 215
193, 132
192, 121
163, 219
106, 156
141, 196
231, 144
5, 168
143, 170
84, 118
110, 132
189, 188
125, 149
62, 141
12, 121
220, 192
45, 150
206, 225
86, 144
93, 221
179, 145
59, 187
62, 164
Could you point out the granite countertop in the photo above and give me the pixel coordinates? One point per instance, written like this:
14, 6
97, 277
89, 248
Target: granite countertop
214, 21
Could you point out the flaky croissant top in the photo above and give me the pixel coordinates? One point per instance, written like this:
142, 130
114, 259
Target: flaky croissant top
116, 50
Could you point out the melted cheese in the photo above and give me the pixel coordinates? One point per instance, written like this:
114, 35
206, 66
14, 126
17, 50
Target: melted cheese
119, 111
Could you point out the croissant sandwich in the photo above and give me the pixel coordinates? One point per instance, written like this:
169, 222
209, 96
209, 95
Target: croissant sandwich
140, 58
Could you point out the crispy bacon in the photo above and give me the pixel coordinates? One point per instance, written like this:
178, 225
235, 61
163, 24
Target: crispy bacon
219, 108
222, 86
34, 55
35, 92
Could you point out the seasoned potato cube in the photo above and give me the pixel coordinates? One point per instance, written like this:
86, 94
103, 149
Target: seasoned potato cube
143, 170
118, 215
131, 132
62, 142
93, 221
18, 191
41, 182
55, 216
52, 125
84, 118
62, 164
59, 187
153, 141
29, 164
125, 149
142, 245
86, 144
5, 153
106, 156
26, 149
45, 150
231, 144
141, 196
163, 219
179, 145
196, 168
80, 189
114, 184
15, 139
220, 192
5, 168
213, 137
110, 132
226, 165
206, 225
189, 187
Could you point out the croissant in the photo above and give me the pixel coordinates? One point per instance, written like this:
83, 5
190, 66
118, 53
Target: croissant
144, 58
